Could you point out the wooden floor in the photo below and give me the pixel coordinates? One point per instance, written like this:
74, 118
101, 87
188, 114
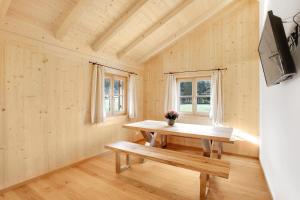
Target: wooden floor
96, 179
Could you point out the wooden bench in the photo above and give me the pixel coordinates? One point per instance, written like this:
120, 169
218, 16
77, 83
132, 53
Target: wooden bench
206, 166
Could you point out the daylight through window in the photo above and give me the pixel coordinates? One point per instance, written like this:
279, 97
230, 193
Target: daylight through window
194, 95
115, 95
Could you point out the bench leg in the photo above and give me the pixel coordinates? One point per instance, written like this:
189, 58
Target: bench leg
204, 178
118, 162
163, 141
119, 167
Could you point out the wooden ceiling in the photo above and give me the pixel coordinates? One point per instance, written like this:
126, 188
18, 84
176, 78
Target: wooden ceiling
132, 30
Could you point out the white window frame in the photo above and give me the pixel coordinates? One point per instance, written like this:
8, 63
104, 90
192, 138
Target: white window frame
112, 78
194, 81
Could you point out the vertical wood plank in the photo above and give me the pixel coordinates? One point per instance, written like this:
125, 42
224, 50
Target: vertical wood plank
46, 122
2, 114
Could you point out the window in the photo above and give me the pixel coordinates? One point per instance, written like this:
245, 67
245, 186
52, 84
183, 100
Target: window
194, 96
115, 95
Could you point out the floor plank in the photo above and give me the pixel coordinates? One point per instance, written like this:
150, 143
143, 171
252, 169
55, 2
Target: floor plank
96, 179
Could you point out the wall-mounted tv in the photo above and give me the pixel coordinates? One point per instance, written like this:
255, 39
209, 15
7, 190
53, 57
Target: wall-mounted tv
276, 59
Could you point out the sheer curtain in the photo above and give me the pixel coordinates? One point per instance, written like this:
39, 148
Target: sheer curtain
97, 95
132, 96
171, 93
216, 112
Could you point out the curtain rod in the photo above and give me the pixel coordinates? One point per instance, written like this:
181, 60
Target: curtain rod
94, 63
199, 70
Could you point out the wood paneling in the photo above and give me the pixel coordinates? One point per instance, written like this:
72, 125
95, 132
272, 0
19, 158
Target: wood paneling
44, 99
149, 181
100, 16
4, 5
228, 40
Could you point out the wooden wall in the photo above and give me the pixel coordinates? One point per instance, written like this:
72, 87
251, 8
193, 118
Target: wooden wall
228, 40
45, 104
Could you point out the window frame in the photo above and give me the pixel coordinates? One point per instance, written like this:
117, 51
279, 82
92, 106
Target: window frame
194, 81
113, 77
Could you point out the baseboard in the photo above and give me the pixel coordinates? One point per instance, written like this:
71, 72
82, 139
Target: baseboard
106, 152
265, 177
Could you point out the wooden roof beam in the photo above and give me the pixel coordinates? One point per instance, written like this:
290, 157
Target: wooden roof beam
70, 19
154, 27
186, 29
117, 25
4, 5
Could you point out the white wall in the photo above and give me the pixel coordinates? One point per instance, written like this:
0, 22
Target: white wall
280, 118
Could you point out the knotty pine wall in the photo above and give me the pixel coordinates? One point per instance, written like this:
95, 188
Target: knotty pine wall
45, 105
228, 40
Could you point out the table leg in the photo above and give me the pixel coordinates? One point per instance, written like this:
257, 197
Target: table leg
150, 138
128, 160
220, 149
118, 162
206, 145
163, 141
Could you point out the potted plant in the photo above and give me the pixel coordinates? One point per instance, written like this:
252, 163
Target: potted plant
171, 116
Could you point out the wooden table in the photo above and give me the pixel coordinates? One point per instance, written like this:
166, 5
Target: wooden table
207, 134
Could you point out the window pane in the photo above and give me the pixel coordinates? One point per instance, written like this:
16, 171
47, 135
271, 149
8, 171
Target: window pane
203, 87
107, 104
186, 88
107, 86
185, 104
118, 104
116, 87
121, 87
203, 104
107, 89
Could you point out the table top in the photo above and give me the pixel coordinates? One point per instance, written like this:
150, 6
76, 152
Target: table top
222, 134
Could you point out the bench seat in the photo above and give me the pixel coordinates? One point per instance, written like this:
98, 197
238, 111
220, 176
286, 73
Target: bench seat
206, 166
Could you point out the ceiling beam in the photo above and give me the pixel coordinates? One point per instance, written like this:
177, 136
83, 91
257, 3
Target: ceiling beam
4, 5
154, 27
117, 25
188, 28
70, 19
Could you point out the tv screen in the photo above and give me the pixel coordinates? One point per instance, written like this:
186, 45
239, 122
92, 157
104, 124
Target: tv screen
274, 51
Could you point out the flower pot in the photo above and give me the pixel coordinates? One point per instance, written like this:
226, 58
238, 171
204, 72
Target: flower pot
171, 122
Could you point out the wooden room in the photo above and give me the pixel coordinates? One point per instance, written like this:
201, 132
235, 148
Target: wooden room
149, 99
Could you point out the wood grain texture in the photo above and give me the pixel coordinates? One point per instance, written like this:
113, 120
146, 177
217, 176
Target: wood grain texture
150, 181
187, 28
183, 130
228, 40
40, 19
4, 5
118, 24
70, 19
45, 109
197, 163
154, 27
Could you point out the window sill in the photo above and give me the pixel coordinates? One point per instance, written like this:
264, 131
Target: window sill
194, 119
116, 119
186, 114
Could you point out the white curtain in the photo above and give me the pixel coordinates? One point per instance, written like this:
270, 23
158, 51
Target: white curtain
97, 95
132, 96
216, 112
171, 93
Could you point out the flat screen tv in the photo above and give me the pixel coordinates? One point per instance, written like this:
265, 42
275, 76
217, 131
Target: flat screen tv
276, 59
